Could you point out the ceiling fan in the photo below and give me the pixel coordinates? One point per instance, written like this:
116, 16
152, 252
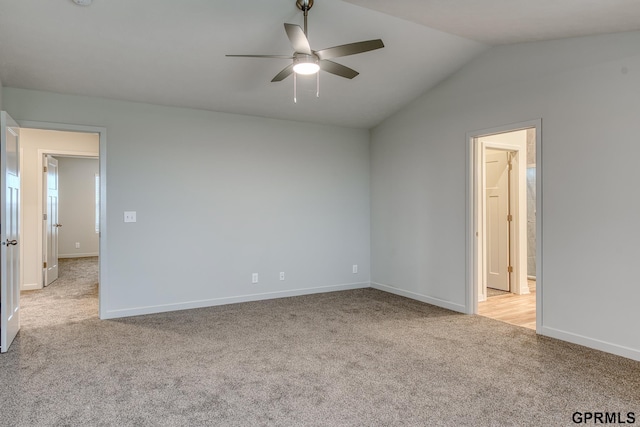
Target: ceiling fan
306, 61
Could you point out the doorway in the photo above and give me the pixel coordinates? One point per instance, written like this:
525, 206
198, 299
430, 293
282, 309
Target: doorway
64, 143
71, 210
503, 224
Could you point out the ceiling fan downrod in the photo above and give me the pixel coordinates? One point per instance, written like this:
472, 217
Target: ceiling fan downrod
304, 6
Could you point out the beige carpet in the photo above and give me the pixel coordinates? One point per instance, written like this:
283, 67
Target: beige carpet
496, 292
355, 358
71, 298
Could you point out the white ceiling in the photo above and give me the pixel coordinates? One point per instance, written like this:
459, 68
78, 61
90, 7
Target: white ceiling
171, 52
514, 21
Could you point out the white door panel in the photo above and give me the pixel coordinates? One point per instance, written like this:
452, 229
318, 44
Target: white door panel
52, 224
9, 231
497, 209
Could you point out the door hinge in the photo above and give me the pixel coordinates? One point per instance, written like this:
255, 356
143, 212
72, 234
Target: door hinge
509, 217
44, 265
510, 269
44, 216
45, 169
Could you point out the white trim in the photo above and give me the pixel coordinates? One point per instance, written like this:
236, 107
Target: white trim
608, 347
161, 308
102, 133
539, 215
472, 243
30, 287
419, 297
81, 255
23, 286
96, 220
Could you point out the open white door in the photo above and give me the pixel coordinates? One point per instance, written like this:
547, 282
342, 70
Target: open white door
9, 230
497, 225
51, 223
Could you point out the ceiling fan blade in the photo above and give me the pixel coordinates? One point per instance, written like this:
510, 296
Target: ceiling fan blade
283, 74
298, 39
349, 49
261, 56
338, 69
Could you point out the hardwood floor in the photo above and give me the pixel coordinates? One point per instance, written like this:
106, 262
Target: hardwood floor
518, 310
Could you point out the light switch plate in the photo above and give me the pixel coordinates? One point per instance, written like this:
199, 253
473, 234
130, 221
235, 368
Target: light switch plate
130, 216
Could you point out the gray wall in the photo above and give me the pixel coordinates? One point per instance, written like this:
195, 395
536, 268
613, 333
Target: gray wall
586, 92
76, 210
219, 197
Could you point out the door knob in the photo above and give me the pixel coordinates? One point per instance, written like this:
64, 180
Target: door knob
10, 242
57, 225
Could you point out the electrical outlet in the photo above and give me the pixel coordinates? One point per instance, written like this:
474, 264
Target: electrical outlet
354, 269
282, 275
254, 278
77, 245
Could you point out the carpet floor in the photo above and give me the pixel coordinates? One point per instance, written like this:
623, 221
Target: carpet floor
496, 292
353, 358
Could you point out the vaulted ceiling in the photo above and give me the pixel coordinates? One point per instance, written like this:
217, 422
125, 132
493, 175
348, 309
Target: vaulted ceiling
171, 52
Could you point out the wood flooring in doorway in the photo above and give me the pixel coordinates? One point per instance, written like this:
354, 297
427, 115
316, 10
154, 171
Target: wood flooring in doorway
519, 310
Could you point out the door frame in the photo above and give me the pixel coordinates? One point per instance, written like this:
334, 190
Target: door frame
473, 227
102, 134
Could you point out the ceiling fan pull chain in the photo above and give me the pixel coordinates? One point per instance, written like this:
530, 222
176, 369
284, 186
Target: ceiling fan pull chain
295, 84
317, 85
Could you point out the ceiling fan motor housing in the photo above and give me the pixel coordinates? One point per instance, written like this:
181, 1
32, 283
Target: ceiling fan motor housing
303, 57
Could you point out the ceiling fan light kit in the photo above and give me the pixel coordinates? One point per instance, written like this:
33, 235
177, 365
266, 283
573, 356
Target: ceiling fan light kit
305, 64
308, 62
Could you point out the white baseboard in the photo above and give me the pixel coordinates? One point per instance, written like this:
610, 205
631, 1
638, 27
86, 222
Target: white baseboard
86, 255
608, 347
419, 297
30, 287
137, 311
